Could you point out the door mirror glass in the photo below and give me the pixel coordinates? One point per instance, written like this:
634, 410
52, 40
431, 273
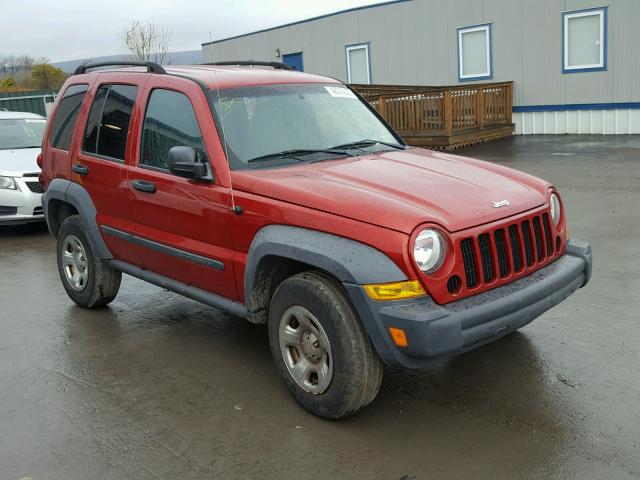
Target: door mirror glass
184, 162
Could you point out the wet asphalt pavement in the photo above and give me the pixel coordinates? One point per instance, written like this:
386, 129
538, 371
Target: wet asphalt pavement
157, 386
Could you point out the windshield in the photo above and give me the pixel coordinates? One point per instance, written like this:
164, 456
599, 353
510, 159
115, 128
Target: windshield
271, 125
21, 133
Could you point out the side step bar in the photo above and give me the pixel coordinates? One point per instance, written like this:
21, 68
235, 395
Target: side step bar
194, 293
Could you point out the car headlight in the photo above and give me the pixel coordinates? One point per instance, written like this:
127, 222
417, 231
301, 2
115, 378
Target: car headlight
8, 183
554, 201
429, 250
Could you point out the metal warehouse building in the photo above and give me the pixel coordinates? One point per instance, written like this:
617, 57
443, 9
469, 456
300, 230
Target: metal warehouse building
575, 63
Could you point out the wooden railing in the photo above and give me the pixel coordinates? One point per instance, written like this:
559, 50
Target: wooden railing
444, 117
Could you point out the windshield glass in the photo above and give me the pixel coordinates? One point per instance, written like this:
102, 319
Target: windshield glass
21, 133
296, 119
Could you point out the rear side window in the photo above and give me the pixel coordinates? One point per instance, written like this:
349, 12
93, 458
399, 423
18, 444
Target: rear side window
65, 118
108, 122
170, 121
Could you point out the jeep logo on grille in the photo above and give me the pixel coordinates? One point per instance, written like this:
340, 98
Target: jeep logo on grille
501, 203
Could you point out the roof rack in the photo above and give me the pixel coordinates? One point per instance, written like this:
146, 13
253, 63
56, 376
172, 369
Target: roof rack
152, 67
251, 63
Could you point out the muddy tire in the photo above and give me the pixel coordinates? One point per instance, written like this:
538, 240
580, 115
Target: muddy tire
88, 282
321, 348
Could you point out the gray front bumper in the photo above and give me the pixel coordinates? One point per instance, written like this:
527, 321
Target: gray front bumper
437, 331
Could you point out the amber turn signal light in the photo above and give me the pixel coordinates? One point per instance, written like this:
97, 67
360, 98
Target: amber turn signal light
395, 290
398, 336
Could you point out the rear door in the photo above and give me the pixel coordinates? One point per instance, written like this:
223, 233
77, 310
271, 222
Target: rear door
182, 226
100, 164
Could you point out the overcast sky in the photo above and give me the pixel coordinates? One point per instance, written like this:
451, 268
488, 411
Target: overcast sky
78, 29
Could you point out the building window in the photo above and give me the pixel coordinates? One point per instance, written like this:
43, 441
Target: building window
584, 34
474, 52
358, 64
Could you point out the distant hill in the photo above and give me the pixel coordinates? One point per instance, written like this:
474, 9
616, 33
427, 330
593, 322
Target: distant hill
188, 57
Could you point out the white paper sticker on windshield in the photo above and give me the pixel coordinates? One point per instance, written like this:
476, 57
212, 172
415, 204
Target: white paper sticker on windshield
35, 120
341, 92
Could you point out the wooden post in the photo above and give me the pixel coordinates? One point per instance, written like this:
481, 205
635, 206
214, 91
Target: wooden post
382, 107
509, 103
448, 112
480, 109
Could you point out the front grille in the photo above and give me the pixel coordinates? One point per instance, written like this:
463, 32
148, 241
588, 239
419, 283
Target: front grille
526, 233
547, 233
34, 174
504, 250
469, 259
487, 258
501, 249
35, 187
38, 211
5, 211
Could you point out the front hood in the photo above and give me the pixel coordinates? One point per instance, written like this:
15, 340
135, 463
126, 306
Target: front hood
402, 189
13, 163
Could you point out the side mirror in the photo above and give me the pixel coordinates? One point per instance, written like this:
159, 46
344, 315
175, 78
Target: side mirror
183, 162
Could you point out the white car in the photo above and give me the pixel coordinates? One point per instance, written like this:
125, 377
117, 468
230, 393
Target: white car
20, 191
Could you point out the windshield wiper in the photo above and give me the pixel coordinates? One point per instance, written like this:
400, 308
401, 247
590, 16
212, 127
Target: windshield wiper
299, 151
368, 143
21, 148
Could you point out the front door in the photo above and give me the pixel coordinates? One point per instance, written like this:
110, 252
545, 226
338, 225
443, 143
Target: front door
181, 226
294, 60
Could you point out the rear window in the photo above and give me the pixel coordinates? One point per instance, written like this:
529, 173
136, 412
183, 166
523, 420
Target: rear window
66, 115
108, 122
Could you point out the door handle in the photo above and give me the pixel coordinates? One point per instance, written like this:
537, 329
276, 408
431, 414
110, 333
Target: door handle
144, 186
80, 169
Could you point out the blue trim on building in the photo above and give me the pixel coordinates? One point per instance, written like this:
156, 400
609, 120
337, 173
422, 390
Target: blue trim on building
346, 59
319, 17
605, 36
578, 106
481, 77
294, 60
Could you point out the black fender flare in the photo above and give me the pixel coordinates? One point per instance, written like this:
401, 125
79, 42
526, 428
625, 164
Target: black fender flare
349, 261
76, 195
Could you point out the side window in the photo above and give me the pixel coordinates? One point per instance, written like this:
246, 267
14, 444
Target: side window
65, 117
90, 144
170, 121
108, 122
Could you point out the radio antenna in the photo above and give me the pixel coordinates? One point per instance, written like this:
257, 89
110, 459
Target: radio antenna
235, 209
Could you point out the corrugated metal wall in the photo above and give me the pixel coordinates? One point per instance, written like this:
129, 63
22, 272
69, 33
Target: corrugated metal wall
39, 102
620, 121
414, 43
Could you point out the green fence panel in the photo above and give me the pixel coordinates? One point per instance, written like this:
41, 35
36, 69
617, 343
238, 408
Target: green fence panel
34, 101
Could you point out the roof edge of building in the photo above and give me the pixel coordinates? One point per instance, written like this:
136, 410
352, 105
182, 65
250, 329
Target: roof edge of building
298, 22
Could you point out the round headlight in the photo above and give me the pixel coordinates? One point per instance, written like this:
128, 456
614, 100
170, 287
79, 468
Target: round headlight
429, 250
555, 209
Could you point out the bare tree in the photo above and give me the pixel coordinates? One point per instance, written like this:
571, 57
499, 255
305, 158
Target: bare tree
10, 64
147, 42
24, 62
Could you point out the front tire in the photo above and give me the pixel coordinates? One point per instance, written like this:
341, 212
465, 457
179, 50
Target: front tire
321, 348
88, 282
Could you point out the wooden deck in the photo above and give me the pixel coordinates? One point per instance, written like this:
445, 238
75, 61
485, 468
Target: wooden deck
444, 118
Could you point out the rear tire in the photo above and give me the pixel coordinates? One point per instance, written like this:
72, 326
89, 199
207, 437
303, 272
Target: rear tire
89, 282
321, 348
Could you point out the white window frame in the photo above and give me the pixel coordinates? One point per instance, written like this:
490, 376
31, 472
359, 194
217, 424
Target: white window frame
475, 76
358, 46
566, 16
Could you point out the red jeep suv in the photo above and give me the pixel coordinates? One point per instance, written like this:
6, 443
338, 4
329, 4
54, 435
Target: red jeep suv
285, 199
